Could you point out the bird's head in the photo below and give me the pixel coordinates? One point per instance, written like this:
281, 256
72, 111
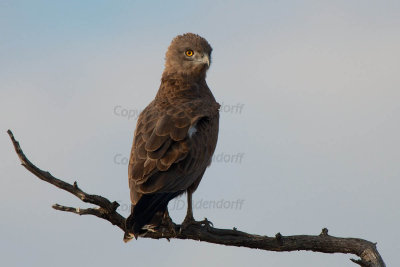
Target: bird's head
189, 54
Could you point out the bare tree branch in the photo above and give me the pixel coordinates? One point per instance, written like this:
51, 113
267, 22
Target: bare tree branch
366, 250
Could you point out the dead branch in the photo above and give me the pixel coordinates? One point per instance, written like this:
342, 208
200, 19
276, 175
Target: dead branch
366, 250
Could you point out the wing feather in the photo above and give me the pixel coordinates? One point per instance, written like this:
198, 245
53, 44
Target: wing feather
163, 157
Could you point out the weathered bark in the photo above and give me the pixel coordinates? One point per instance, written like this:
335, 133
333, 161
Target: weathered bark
366, 250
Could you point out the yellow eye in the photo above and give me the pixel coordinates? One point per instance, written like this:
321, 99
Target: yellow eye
189, 53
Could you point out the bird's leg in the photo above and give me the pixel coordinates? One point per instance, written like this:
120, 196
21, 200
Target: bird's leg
189, 219
168, 223
189, 214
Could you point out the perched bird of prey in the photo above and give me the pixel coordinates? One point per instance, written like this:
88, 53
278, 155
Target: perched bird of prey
175, 136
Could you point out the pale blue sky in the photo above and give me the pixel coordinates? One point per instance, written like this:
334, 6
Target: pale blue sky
318, 131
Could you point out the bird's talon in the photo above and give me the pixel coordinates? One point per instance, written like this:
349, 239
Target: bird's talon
167, 225
207, 223
187, 222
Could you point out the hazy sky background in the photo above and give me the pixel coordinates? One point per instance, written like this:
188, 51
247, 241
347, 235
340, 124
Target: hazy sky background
318, 82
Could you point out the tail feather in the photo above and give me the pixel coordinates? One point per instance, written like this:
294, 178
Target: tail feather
146, 208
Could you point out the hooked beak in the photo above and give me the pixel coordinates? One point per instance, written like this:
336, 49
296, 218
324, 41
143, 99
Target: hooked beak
205, 60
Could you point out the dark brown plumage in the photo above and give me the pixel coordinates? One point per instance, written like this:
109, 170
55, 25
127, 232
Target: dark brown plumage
175, 135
